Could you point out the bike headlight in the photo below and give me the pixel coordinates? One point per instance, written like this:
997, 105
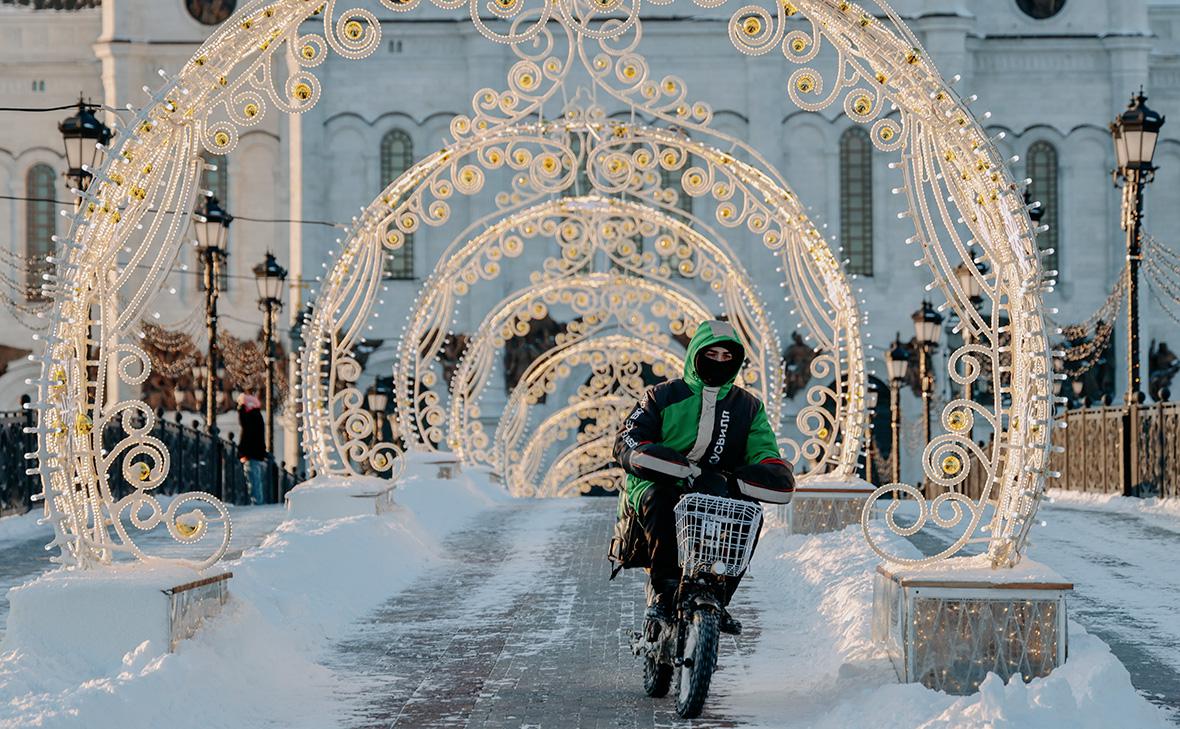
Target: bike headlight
719, 567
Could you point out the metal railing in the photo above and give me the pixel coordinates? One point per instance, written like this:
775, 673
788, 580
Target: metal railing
199, 462
16, 488
1098, 457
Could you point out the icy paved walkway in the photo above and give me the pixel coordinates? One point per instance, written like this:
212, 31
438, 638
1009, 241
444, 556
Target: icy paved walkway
522, 631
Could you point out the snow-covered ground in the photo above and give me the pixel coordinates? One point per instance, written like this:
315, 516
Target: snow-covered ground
1121, 555
255, 664
517, 585
816, 666
23, 555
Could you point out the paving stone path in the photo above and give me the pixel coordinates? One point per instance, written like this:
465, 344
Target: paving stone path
519, 631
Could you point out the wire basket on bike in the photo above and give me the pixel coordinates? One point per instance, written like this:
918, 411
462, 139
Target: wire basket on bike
715, 534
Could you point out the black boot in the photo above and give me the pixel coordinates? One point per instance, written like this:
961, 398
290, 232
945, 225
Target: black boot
661, 608
730, 624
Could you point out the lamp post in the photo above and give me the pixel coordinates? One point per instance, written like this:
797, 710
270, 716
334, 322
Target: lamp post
927, 326
870, 405
81, 136
377, 399
211, 226
970, 277
897, 361
200, 377
1134, 133
82, 133
270, 278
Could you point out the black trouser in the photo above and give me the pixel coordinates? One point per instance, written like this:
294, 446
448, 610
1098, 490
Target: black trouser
657, 515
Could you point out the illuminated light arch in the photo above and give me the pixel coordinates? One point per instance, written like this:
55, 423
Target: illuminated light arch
584, 227
600, 303
604, 413
831, 422
100, 293
579, 468
615, 363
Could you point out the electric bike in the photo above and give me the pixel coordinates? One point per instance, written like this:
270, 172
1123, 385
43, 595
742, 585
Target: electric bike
715, 538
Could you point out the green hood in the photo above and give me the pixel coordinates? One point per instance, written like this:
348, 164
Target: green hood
708, 334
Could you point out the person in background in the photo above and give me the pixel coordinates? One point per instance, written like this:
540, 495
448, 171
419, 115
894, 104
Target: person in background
252, 445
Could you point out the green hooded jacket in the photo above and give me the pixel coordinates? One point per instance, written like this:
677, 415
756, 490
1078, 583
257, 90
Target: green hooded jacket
719, 428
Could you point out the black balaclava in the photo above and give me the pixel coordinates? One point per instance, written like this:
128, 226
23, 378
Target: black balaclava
717, 374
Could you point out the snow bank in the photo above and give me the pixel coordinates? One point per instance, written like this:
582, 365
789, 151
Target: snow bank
816, 664
255, 664
87, 622
977, 568
23, 527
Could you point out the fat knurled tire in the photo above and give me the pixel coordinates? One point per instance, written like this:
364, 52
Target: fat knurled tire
657, 678
690, 698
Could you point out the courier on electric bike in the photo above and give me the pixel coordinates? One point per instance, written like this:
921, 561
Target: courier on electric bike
699, 452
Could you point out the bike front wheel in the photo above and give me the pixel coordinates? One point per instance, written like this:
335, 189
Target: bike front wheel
700, 658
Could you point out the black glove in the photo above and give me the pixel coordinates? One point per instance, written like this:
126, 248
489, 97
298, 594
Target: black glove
711, 482
655, 462
769, 481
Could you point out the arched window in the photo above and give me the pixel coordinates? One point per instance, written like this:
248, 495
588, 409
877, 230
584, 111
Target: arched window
671, 180
1042, 168
397, 156
218, 180
40, 227
580, 184
856, 200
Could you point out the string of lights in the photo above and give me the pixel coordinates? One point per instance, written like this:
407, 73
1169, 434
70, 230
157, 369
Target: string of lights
237, 218
174, 353
1162, 266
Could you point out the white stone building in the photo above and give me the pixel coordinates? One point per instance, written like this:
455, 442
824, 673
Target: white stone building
1052, 85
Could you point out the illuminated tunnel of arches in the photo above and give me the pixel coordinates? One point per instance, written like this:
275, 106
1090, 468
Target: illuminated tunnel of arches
585, 226
957, 191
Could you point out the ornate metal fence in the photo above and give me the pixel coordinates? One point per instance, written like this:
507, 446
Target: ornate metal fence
16, 488
1097, 456
200, 462
1158, 472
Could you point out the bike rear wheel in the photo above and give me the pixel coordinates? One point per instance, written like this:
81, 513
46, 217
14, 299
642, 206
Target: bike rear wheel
657, 678
700, 658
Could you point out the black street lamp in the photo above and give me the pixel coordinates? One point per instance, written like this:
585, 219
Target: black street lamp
970, 277
927, 328
1134, 133
378, 400
211, 226
897, 361
871, 407
270, 277
82, 133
